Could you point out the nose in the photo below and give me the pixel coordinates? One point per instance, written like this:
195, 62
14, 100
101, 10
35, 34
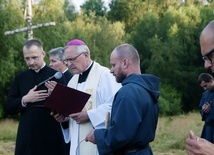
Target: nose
69, 63
111, 70
31, 61
207, 64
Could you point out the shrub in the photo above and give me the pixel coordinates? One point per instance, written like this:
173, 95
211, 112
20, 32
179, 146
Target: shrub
169, 101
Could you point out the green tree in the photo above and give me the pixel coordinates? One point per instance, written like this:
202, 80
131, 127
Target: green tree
169, 101
167, 44
70, 11
10, 45
100, 35
53, 36
127, 11
96, 6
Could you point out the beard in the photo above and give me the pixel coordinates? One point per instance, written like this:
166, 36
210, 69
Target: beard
121, 76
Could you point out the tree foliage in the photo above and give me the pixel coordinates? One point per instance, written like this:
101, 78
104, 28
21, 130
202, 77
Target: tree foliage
165, 33
127, 11
100, 35
10, 45
70, 11
96, 6
169, 47
169, 101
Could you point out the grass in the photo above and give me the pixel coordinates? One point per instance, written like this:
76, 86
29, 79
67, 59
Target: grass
172, 132
170, 135
8, 129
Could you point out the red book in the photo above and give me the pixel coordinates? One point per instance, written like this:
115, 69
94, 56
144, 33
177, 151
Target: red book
66, 100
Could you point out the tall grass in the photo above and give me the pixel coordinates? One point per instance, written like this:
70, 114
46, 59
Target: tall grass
8, 129
170, 135
172, 132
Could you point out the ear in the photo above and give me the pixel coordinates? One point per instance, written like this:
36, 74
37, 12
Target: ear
125, 63
43, 53
86, 56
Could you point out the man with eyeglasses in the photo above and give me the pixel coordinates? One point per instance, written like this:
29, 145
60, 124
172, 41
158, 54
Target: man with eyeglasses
57, 62
90, 77
194, 144
38, 132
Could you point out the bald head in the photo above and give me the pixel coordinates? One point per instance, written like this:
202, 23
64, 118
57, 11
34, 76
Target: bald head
129, 52
207, 45
207, 38
124, 61
210, 27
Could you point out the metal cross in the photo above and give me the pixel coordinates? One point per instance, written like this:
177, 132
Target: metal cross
29, 27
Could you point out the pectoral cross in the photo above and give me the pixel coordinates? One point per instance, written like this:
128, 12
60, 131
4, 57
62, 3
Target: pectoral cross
29, 27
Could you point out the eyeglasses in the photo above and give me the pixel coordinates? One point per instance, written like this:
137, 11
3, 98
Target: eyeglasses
73, 59
207, 57
33, 58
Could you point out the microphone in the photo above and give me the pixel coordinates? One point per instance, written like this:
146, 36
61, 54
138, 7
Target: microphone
57, 75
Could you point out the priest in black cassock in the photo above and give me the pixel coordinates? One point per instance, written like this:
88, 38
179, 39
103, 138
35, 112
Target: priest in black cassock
38, 132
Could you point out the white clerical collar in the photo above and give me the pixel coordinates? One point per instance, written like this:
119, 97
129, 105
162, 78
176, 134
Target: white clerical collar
40, 68
65, 70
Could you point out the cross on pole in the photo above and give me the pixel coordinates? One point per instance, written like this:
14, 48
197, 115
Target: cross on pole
29, 27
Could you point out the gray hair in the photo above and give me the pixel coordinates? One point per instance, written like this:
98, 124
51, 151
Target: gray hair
57, 52
80, 49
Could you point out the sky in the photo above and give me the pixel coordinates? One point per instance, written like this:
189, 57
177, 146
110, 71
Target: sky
77, 3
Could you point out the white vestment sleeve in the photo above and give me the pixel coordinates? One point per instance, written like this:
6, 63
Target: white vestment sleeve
65, 133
